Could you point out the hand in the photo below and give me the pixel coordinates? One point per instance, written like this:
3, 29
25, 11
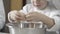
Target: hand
15, 16
34, 16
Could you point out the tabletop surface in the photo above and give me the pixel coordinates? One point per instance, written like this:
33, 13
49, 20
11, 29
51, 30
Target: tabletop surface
4, 33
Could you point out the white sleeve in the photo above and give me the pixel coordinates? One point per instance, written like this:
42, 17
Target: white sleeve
56, 17
2, 14
25, 9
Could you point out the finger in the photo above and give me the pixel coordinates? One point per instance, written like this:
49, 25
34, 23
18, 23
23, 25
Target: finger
20, 15
31, 15
10, 20
20, 18
29, 19
32, 12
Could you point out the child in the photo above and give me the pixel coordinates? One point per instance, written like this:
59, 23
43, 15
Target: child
38, 10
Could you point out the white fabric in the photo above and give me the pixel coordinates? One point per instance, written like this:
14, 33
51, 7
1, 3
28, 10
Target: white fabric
2, 14
56, 3
54, 14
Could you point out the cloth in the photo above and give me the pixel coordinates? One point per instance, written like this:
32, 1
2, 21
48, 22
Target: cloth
2, 14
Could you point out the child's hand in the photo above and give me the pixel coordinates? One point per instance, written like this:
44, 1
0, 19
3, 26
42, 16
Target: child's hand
15, 16
34, 16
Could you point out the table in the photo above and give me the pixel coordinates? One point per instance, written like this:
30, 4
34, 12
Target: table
4, 33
